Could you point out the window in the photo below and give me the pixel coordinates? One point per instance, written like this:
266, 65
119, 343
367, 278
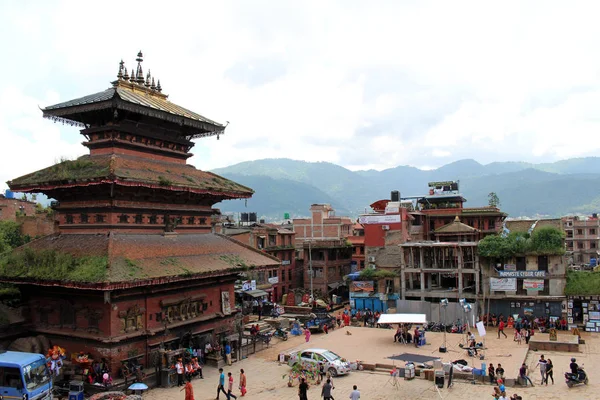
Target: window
580, 231
11, 377
202, 221
492, 224
592, 245
69, 218
123, 218
153, 219
289, 275
191, 220
543, 263
318, 272
139, 218
84, 218
592, 231
99, 218
580, 245
521, 264
272, 240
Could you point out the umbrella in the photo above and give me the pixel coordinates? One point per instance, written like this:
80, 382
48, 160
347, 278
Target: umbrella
138, 386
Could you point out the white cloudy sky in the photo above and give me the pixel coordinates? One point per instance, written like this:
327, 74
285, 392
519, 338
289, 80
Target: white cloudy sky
361, 84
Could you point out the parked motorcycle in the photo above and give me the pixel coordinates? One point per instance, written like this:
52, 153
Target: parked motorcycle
281, 334
575, 379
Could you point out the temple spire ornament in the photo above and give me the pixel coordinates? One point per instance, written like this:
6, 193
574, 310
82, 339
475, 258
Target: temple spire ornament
120, 73
148, 79
152, 85
125, 74
158, 88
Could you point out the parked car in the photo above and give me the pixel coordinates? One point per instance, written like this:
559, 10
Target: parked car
334, 364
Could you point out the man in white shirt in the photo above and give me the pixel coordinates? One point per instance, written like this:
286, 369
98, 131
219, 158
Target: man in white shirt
355, 395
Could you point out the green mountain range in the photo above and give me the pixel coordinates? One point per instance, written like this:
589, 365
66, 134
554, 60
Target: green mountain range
525, 190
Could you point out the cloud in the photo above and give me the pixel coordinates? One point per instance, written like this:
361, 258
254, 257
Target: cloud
404, 83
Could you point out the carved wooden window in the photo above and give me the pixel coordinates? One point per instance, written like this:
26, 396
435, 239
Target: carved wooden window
123, 218
153, 219
138, 218
191, 220
202, 221
84, 218
99, 218
171, 313
69, 218
194, 309
67, 314
183, 311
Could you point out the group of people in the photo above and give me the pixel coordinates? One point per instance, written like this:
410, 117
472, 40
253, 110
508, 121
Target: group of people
325, 390
188, 369
500, 391
230, 381
403, 334
532, 323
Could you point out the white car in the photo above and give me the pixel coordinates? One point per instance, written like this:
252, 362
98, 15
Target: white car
333, 363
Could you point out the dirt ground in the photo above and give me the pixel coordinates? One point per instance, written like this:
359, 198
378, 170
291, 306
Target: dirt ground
266, 378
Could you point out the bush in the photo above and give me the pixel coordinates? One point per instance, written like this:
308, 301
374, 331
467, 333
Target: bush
582, 283
543, 241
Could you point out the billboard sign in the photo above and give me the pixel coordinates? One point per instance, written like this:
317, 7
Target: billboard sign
522, 274
362, 286
533, 284
379, 219
503, 284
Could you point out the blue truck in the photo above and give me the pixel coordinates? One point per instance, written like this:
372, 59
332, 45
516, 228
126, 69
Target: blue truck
24, 376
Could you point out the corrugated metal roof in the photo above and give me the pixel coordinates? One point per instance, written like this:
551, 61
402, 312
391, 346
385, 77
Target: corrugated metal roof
128, 94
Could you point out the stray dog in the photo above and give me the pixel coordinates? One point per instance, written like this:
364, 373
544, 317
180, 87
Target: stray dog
348, 333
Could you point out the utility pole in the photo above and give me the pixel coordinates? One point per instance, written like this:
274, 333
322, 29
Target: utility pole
310, 269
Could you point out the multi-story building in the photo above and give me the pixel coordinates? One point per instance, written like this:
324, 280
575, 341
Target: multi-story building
582, 239
358, 247
528, 283
135, 267
326, 253
277, 241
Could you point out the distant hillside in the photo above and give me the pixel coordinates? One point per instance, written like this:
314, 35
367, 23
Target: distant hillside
284, 185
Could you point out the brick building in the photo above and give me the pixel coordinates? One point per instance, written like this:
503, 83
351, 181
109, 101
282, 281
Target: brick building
11, 208
582, 240
277, 241
323, 246
135, 266
358, 247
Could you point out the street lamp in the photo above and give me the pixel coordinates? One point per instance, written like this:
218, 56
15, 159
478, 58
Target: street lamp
444, 305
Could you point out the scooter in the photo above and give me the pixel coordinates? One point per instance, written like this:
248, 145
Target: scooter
574, 379
281, 334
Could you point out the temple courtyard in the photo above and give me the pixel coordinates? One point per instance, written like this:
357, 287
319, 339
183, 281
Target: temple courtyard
267, 379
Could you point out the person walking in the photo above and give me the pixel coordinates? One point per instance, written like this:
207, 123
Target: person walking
189, 390
355, 395
228, 353
326, 390
307, 334
221, 387
243, 382
542, 364
549, 371
526, 333
501, 329
230, 387
523, 375
302, 389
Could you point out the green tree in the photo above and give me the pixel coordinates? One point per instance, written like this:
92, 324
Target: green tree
547, 240
10, 236
493, 199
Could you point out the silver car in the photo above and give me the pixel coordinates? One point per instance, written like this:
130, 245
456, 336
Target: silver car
334, 364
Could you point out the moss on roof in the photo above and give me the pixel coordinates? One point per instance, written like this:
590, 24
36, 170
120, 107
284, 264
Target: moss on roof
134, 169
581, 283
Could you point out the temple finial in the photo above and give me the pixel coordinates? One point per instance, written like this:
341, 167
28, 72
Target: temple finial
139, 73
120, 74
152, 85
158, 88
148, 79
125, 74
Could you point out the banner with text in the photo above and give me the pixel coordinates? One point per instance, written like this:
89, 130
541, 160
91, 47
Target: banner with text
379, 219
533, 284
522, 274
362, 286
503, 284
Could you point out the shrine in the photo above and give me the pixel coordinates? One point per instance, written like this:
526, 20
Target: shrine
135, 270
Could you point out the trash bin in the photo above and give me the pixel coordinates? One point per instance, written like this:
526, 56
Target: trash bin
75, 390
409, 371
439, 379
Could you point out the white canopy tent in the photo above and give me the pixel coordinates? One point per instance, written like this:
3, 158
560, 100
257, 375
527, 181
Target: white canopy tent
402, 319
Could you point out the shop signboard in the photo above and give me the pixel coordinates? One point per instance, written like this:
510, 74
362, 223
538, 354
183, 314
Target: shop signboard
522, 274
379, 219
503, 284
533, 284
510, 267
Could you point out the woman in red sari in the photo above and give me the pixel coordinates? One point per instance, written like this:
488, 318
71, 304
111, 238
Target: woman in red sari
189, 390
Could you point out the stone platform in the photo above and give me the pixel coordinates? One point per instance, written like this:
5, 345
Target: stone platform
567, 343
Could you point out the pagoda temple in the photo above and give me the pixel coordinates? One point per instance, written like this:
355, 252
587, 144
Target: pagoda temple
135, 267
